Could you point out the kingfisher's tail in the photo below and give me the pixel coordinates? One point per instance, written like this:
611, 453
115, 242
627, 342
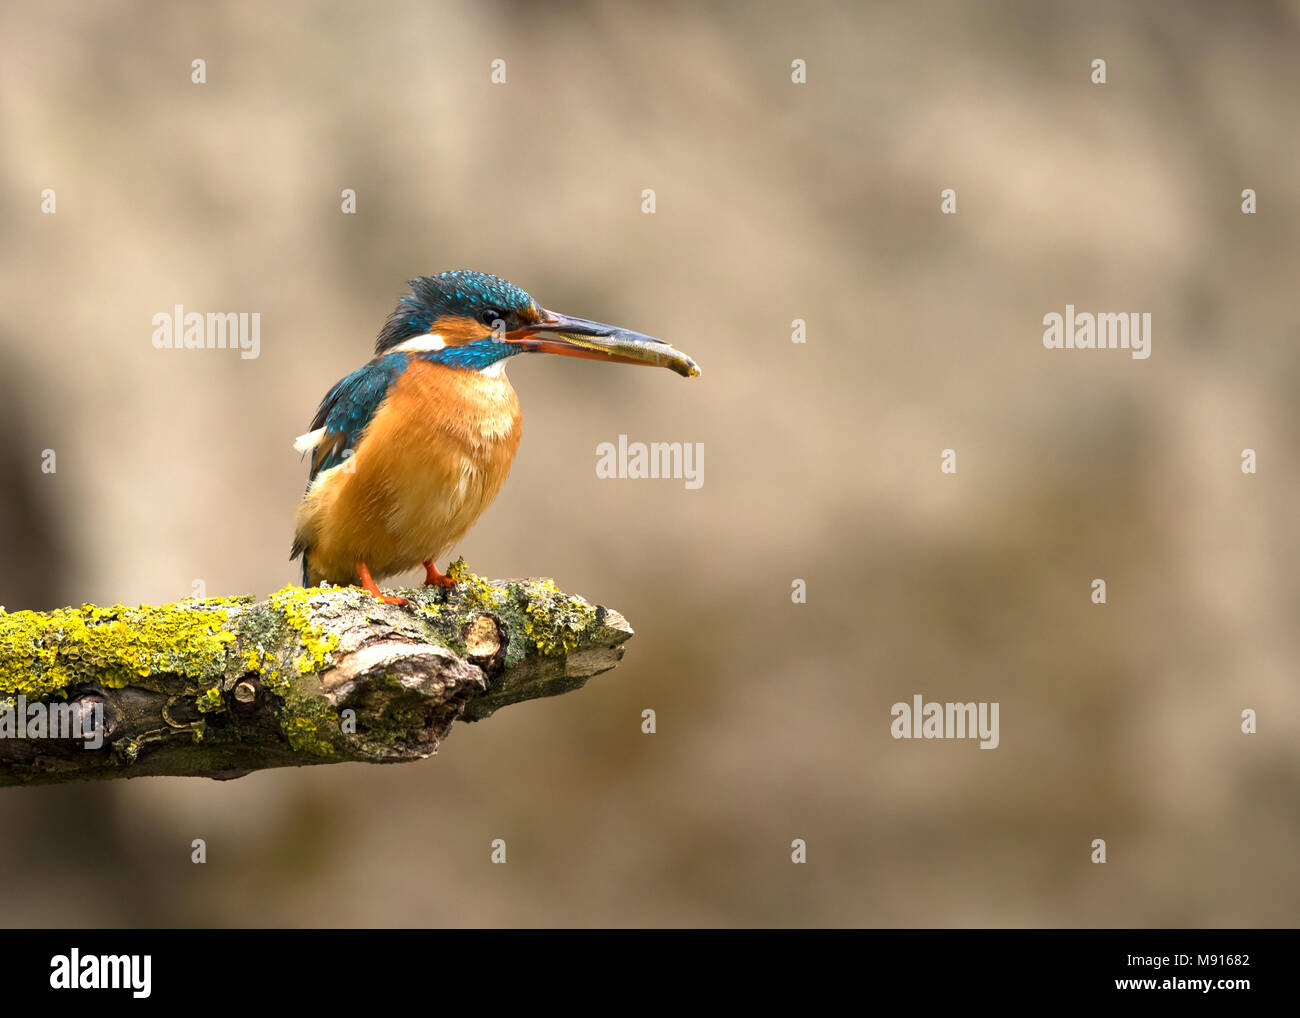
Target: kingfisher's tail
300, 549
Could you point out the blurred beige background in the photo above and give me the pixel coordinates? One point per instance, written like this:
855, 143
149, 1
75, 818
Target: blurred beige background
775, 202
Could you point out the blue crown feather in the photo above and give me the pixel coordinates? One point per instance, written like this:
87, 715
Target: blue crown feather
460, 292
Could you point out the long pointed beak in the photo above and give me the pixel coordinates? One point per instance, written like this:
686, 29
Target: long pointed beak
578, 337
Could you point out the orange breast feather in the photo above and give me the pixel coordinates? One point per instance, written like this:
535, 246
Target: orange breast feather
432, 459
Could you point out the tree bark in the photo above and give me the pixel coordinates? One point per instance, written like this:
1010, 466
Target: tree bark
225, 686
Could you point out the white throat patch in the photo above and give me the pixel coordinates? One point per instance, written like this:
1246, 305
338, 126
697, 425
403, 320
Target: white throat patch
421, 344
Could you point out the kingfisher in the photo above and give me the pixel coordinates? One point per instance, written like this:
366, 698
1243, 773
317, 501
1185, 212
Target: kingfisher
410, 449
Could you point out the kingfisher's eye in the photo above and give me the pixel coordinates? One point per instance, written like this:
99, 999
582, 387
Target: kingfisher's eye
490, 317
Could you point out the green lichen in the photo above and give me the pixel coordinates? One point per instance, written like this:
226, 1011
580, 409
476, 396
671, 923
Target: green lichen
312, 728
275, 682
41, 654
187, 651
553, 620
208, 700
306, 718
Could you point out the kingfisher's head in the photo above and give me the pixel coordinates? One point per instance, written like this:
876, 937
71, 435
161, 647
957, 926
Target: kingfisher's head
472, 321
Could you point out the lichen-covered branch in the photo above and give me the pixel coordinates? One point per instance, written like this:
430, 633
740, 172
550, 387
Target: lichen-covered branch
225, 686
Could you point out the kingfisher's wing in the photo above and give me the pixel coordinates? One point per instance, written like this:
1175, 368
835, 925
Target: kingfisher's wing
346, 410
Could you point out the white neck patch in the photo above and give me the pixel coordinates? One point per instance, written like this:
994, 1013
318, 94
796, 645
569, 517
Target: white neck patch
420, 344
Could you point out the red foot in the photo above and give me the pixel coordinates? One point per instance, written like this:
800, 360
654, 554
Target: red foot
433, 578
372, 588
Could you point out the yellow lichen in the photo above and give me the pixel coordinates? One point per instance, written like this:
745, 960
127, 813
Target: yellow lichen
553, 620
310, 734
294, 603
474, 590
43, 653
208, 700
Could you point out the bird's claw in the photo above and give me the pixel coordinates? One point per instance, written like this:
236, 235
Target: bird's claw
433, 578
368, 584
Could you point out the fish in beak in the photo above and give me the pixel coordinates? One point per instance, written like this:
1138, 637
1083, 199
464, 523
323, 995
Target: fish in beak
578, 337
